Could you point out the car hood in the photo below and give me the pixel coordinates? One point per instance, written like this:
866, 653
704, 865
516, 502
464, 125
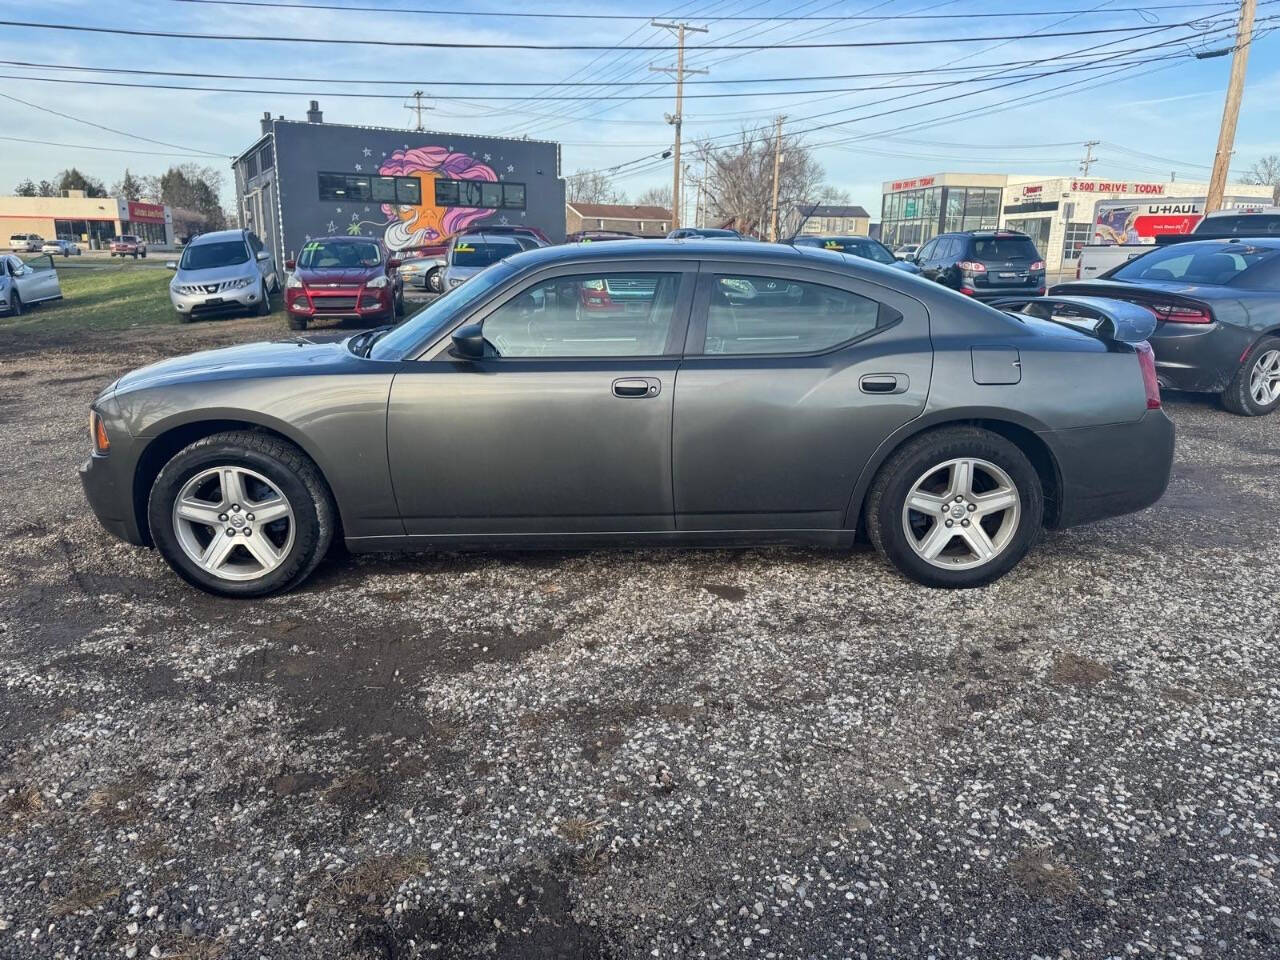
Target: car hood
337, 276
286, 358
215, 274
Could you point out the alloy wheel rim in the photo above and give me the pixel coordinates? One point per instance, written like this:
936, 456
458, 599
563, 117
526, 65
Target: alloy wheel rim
961, 514
233, 523
1264, 378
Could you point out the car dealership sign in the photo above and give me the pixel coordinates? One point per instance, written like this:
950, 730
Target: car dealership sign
1111, 186
913, 184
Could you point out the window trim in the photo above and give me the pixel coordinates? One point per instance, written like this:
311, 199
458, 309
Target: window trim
453, 185
696, 342
437, 349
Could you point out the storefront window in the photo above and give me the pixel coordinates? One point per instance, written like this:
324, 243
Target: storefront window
1076, 236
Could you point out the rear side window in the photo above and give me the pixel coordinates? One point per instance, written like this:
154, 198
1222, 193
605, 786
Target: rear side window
1002, 248
1215, 265
750, 314
1242, 225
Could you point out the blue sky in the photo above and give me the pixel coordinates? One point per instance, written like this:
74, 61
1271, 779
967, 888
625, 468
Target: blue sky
1152, 118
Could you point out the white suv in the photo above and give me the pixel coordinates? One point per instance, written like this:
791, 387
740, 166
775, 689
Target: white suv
225, 272
26, 243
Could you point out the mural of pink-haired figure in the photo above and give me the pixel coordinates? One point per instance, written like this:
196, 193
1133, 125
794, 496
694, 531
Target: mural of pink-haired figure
413, 225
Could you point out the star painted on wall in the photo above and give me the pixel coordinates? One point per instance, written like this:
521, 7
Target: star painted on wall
355, 217
384, 154
369, 153
511, 168
306, 237
331, 227
504, 221
523, 214
339, 209
366, 209
487, 158
358, 168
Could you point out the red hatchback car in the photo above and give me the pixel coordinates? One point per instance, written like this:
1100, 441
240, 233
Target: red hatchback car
343, 278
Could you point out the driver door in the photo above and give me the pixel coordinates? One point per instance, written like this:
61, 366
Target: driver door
564, 427
36, 279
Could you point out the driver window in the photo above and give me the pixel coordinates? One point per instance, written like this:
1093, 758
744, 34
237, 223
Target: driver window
588, 315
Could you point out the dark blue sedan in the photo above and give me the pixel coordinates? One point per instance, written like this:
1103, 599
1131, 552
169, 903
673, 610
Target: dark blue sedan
1218, 306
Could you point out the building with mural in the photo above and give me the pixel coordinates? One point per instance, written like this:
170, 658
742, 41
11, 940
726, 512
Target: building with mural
306, 179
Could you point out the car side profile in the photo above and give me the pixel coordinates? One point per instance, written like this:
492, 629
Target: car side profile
644, 392
26, 243
26, 283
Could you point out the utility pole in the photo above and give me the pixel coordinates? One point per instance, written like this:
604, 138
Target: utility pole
777, 167
1231, 109
677, 118
417, 107
1089, 159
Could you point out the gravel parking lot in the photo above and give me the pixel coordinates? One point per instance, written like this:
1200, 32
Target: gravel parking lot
629, 755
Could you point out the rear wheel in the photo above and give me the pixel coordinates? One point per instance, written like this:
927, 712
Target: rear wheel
241, 514
264, 301
435, 282
1255, 389
957, 507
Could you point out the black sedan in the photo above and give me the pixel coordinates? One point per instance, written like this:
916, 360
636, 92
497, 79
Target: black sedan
644, 392
1218, 305
855, 246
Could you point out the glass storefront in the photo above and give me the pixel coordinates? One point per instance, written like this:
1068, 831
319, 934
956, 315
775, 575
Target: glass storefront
915, 216
150, 232
1037, 228
85, 230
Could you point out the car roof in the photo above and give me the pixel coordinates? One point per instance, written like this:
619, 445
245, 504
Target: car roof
690, 248
217, 235
488, 237
341, 238
1271, 242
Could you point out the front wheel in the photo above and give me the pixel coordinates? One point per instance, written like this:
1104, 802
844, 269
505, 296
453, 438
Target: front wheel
264, 301
435, 282
957, 507
241, 514
15, 304
1255, 389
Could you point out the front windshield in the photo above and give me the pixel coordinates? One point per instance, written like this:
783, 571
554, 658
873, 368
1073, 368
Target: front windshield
424, 324
1216, 264
326, 254
481, 253
206, 256
859, 247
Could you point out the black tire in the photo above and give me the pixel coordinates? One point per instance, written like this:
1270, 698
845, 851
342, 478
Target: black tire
1238, 398
315, 515
297, 323
143, 254
398, 309
135, 256
264, 301
15, 304
435, 282
895, 479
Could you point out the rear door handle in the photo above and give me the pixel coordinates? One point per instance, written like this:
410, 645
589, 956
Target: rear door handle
883, 383
636, 388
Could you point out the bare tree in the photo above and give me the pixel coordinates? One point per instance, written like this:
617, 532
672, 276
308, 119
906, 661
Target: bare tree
1266, 171
656, 197
592, 186
739, 178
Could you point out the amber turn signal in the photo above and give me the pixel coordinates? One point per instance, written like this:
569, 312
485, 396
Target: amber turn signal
98, 431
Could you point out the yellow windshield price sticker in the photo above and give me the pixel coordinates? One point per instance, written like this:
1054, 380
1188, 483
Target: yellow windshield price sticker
834, 245
464, 248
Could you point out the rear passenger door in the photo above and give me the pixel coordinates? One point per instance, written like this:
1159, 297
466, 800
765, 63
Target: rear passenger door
792, 377
925, 261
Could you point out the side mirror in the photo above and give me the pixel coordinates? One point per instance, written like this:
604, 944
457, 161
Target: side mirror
171, 265
469, 342
291, 265
264, 255
393, 263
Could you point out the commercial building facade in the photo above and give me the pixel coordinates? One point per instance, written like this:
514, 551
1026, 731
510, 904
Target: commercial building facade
1061, 214
306, 179
87, 219
831, 220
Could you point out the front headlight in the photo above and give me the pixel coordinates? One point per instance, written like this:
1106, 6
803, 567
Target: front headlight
377, 283
293, 283
454, 282
239, 283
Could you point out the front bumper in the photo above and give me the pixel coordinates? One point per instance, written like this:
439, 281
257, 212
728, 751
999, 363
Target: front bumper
221, 302
340, 304
110, 494
1199, 357
1112, 469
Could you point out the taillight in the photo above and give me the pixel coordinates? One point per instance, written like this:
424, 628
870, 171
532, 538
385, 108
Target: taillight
972, 266
1171, 313
1038, 265
1147, 363
98, 433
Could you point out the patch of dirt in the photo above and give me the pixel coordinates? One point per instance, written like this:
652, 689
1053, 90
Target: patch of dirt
1071, 669
1041, 876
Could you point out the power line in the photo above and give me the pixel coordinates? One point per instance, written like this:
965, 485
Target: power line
99, 126
509, 14
557, 47
85, 146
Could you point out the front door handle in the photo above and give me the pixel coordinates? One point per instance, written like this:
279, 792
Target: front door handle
883, 383
635, 388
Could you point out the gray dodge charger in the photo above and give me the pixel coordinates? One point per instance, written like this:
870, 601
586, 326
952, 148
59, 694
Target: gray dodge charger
645, 393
